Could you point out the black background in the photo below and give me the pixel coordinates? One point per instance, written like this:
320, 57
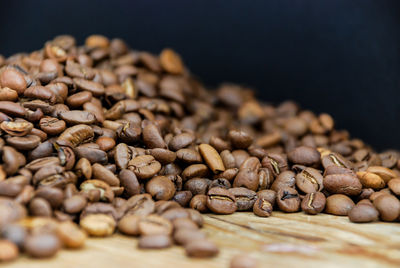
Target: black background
340, 57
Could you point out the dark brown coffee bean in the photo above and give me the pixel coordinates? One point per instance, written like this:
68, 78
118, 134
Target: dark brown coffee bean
246, 178
182, 197
363, 213
95, 88
54, 196
51, 125
40, 207
288, 199
76, 135
181, 141
129, 182
37, 164
156, 241
262, 207
197, 185
76, 117
285, 179
28, 142
152, 137
313, 203
161, 188
201, 248
83, 168
102, 173
188, 156
240, 139
339, 204
199, 203
40, 92
221, 201
91, 154
388, 207
244, 197
195, 170
144, 166
342, 184
163, 156
42, 245
74, 204
304, 155
335, 159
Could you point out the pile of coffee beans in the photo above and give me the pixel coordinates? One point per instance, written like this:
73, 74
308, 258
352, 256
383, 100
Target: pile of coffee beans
98, 139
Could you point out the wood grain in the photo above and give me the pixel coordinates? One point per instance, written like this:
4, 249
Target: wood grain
284, 240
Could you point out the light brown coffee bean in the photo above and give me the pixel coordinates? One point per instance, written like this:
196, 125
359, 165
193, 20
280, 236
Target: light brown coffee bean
338, 204
98, 224
71, 235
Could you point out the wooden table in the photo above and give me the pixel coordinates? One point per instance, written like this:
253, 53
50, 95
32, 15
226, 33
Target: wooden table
283, 240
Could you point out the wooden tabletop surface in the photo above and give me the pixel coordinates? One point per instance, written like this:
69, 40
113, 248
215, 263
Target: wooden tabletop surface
283, 240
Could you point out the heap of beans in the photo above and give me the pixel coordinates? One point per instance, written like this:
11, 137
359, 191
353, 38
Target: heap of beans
99, 138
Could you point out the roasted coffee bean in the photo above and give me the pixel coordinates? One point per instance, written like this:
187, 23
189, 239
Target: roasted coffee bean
385, 173
221, 201
394, 186
201, 248
182, 197
335, 159
102, 173
288, 199
309, 180
313, 203
40, 207
144, 166
244, 197
246, 178
212, 158
163, 156
129, 181
276, 163
83, 168
185, 236
129, 225
304, 155
105, 191
342, 184
141, 205
175, 213
98, 224
195, 170
363, 213
262, 207
370, 180
14, 233
18, 128
28, 142
155, 241
74, 204
240, 139
92, 154
160, 188
268, 195
197, 185
388, 207
75, 135
42, 245
155, 225
184, 223
181, 141
152, 137
70, 234
339, 204
199, 203
285, 179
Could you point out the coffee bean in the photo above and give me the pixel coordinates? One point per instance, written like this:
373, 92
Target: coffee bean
370, 180
152, 137
304, 155
182, 197
129, 182
184, 223
288, 199
240, 139
42, 245
268, 195
74, 204
385, 173
75, 135
154, 225
201, 248
141, 205
161, 188
246, 178
40, 207
18, 128
394, 186
199, 203
70, 234
342, 184
156, 241
262, 207
363, 213
284, 179
221, 201
98, 224
14, 233
212, 158
185, 236
13, 78
309, 180
339, 204
144, 166
388, 207
129, 224
313, 203
244, 197
102, 173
